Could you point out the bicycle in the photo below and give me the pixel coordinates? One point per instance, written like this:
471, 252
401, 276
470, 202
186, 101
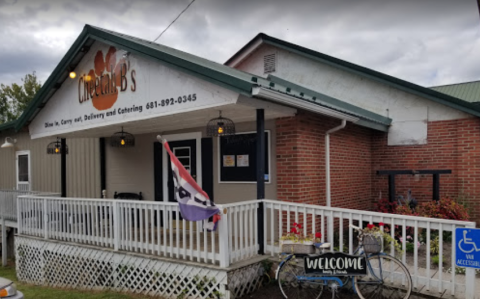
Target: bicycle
384, 276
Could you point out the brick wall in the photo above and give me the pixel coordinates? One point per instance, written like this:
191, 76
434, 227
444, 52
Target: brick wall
301, 161
357, 153
453, 144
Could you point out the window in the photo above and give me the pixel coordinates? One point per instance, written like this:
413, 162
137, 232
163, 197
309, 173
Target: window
23, 170
183, 155
238, 158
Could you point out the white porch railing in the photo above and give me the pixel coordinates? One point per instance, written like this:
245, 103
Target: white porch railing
8, 202
154, 228
335, 222
242, 229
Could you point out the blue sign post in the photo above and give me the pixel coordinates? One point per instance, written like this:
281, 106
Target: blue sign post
467, 251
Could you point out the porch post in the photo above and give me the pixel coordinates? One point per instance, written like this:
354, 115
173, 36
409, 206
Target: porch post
103, 167
261, 178
4, 242
63, 167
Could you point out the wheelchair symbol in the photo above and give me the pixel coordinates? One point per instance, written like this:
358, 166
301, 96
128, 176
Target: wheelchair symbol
468, 244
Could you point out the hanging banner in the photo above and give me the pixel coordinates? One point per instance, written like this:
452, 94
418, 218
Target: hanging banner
195, 205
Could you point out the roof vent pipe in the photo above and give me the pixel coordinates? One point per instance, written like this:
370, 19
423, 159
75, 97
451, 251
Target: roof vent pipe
327, 159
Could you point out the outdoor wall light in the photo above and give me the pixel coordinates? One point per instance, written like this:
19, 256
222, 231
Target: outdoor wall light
122, 139
72, 75
55, 148
8, 144
220, 126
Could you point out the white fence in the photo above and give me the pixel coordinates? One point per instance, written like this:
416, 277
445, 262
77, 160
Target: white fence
8, 202
154, 228
333, 223
242, 229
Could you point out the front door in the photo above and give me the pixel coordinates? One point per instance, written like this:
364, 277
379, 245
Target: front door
186, 152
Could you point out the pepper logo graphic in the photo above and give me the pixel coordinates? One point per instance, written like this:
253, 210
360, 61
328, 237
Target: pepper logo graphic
102, 83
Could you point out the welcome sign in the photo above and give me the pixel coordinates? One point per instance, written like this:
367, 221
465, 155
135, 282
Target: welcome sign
336, 264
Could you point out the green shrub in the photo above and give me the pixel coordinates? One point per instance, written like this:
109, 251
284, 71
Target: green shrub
445, 208
409, 247
434, 246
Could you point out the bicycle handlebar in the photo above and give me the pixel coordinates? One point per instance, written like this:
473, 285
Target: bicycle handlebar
356, 227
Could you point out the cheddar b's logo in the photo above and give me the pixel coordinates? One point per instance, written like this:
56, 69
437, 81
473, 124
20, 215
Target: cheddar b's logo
102, 83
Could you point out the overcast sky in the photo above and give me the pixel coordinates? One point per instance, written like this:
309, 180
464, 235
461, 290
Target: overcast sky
427, 42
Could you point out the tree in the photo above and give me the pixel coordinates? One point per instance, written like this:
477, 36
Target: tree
14, 99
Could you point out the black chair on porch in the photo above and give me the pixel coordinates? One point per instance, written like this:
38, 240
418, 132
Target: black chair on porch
130, 196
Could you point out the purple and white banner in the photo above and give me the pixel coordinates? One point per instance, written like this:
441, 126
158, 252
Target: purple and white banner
195, 205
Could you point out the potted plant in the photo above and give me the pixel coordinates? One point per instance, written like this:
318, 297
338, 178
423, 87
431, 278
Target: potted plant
295, 241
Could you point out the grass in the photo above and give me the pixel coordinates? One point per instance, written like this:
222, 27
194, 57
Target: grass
41, 292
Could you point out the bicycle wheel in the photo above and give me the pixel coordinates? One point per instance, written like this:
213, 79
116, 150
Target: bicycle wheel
386, 277
292, 288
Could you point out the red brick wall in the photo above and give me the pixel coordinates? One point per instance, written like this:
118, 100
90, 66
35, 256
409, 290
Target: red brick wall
453, 144
301, 161
357, 153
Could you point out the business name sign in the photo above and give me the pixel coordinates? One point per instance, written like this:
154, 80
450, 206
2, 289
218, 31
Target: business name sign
336, 264
116, 87
102, 84
467, 253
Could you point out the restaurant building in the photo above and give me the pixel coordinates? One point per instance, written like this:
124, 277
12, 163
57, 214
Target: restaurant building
307, 129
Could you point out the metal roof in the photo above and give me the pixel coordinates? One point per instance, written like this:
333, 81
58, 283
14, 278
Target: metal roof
467, 91
213, 72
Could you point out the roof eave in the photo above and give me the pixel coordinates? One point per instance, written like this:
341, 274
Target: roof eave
272, 95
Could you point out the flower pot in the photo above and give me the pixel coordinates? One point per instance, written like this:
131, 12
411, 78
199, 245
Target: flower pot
297, 247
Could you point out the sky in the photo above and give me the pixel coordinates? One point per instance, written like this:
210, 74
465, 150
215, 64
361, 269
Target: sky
427, 42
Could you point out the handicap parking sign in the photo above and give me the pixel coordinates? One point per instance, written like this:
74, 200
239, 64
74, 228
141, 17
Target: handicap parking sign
467, 247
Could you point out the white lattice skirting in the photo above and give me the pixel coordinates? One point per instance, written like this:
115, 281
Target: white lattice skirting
76, 266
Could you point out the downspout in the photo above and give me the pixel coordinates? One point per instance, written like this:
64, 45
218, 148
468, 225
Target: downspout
327, 159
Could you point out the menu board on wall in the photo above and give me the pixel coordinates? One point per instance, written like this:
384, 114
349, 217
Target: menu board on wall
243, 149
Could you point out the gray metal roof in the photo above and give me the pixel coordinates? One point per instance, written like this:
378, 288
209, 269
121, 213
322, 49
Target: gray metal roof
467, 91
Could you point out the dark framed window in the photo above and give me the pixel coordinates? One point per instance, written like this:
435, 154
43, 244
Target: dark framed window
238, 157
23, 168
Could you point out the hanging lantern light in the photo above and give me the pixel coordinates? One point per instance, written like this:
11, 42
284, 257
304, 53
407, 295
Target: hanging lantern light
122, 139
55, 148
220, 126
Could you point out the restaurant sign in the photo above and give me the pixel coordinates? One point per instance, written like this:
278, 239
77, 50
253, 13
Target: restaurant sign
336, 264
113, 86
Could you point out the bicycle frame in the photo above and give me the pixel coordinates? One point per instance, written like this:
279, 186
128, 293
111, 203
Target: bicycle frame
325, 279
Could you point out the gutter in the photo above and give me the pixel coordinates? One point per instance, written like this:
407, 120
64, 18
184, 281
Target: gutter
327, 160
294, 102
